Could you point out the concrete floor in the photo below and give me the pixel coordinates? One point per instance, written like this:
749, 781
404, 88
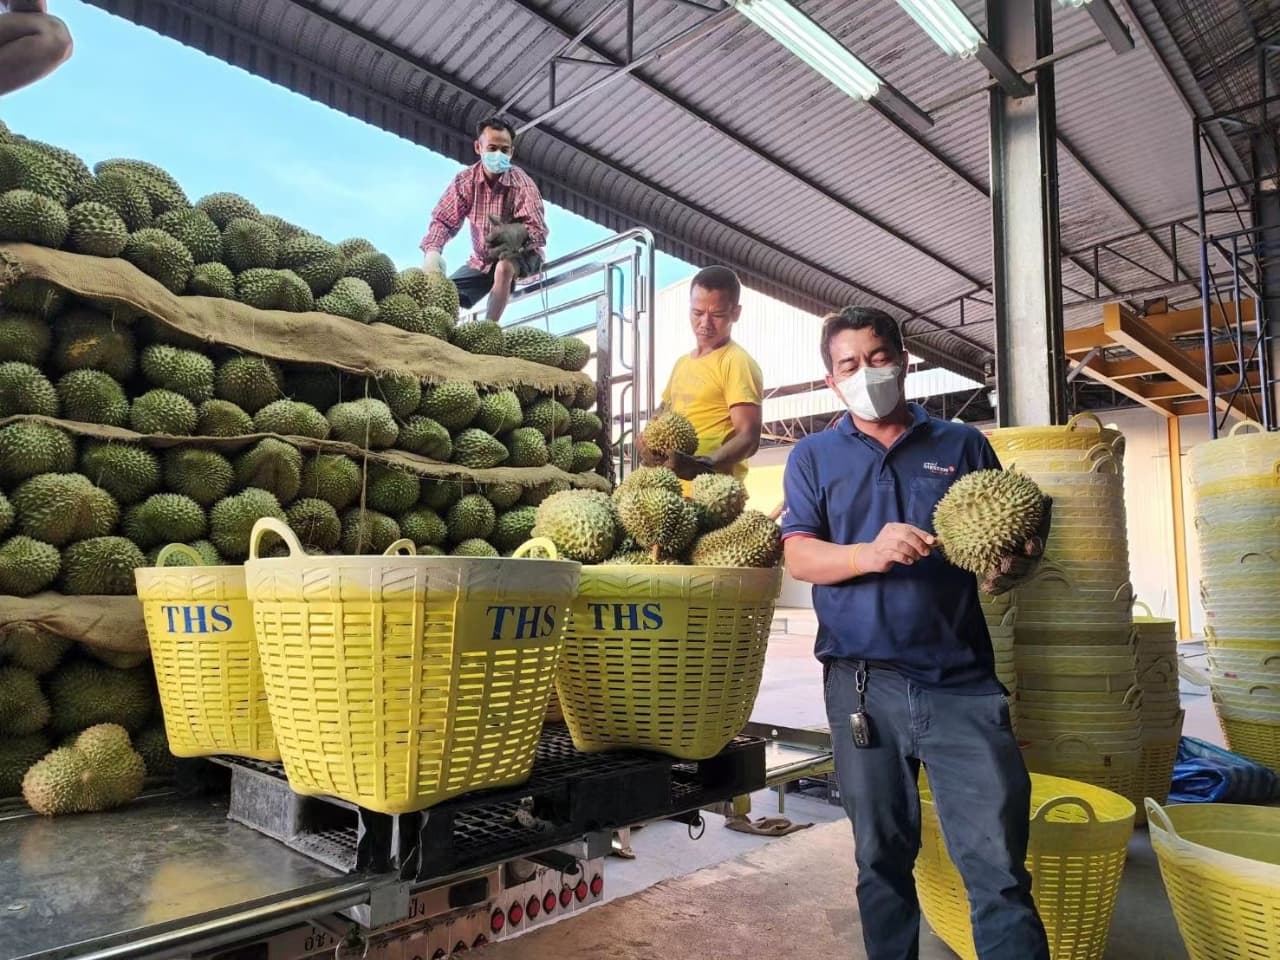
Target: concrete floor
730, 896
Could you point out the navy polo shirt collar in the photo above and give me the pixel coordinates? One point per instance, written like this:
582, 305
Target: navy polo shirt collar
919, 419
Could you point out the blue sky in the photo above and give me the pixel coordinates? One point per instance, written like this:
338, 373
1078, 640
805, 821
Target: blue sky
128, 92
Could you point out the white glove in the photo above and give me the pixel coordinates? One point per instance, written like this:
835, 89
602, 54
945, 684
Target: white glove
433, 263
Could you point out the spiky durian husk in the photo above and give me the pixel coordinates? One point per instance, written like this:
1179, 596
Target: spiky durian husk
987, 515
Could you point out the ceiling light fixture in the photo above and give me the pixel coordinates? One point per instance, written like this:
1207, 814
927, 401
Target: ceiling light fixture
813, 45
1107, 21
948, 27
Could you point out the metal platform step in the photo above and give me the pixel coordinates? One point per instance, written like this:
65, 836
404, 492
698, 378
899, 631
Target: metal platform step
568, 795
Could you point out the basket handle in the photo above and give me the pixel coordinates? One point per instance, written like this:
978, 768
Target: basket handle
271, 525
1056, 802
546, 543
1010, 617
1156, 815
1254, 424
404, 547
1071, 738
1143, 605
1260, 686
1107, 466
179, 550
1265, 555
1074, 421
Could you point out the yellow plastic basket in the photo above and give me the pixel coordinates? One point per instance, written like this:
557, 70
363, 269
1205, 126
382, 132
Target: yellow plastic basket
1250, 736
1076, 434
1238, 454
397, 682
1155, 768
1076, 854
667, 659
1221, 868
205, 656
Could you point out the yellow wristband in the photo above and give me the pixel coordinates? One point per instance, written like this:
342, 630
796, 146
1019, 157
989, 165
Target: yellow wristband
854, 567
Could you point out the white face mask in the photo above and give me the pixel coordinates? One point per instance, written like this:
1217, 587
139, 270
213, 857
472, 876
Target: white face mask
872, 393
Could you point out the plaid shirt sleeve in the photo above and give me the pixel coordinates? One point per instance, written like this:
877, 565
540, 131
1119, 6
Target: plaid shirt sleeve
448, 216
528, 209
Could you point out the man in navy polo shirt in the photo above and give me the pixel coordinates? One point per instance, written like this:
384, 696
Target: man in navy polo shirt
908, 668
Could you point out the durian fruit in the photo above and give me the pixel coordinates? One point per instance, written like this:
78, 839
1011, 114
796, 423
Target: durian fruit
367, 532
576, 354
367, 423
293, 293
222, 418
161, 188
248, 382
719, 499
581, 523
99, 771
163, 412
260, 287
249, 243
499, 412
32, 647
560, 453
291, 418
331, 477
536, 346
23, 707
22, 167
354, 246
231, 521
479, 337
164, 517
401, 392
212, 280
222, 208
390, 490
439, 324
120, 192
61, 508
28, 448
91, 396
320, 387
161, 257
96, 230
424, 527
472, 517
536, 493
152, 745
38, 297
474, 548
318, 262
25, 390
352, 298
17, 756
126, 471
658, 520
649, 478
987, 516
752, 540
205, 476
503, 496
92, 340
586, 457
440, 495
513, 528
83, 693
669, 433
101, 566
196, 231
7, 515
316, 523
453, 404
271, 465
477, 449
584, 425
375, 269
526, 448
282, 228
25, 337
427, 438
184, 372
27, 566
29, 217
403, 312
441, 294
550, 417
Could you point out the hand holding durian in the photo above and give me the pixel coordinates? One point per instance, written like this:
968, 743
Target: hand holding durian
994, 523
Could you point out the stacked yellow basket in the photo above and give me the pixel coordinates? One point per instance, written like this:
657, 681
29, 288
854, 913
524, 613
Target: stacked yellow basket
1079, 705
1236, 488
1002, 617
1162, 714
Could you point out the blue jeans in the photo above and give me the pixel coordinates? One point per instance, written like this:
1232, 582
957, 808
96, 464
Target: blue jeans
981, 791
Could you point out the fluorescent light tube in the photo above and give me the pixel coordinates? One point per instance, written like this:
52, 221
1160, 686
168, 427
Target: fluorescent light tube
817, 48
946, 25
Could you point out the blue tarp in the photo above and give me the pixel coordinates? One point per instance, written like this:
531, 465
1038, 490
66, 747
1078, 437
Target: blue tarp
1205, 773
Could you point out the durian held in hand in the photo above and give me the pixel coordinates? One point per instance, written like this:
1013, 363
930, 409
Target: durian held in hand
994, 523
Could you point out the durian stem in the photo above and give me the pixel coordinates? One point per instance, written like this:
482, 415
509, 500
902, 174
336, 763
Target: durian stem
655, 552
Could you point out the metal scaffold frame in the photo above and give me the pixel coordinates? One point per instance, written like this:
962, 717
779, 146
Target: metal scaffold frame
1250, 251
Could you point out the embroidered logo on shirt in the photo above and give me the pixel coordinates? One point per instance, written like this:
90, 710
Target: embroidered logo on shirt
938, 469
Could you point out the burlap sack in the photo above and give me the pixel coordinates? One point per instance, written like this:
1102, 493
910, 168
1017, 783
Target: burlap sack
104, 623
311, 338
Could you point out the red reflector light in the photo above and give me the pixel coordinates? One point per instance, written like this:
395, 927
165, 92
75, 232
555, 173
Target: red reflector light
549, 901
597, 885
566, 896
580, 891
515, 914
497, 920
533, 908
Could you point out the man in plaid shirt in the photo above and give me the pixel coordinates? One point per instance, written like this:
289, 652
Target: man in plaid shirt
490, 188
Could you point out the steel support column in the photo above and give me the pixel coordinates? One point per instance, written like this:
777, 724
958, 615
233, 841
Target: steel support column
1030, 359
1267, 219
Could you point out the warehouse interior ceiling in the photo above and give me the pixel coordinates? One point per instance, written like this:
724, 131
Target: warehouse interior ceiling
683, 116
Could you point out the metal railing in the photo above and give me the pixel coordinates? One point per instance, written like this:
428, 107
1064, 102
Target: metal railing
623, 328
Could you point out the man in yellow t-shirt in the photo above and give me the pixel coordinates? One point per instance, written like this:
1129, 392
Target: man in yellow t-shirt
717, 386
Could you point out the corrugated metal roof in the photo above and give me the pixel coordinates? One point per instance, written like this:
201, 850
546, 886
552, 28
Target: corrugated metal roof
731, 150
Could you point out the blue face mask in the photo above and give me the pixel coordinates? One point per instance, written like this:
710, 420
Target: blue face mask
495, 161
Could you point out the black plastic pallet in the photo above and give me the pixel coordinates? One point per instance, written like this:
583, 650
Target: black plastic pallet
568, 794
